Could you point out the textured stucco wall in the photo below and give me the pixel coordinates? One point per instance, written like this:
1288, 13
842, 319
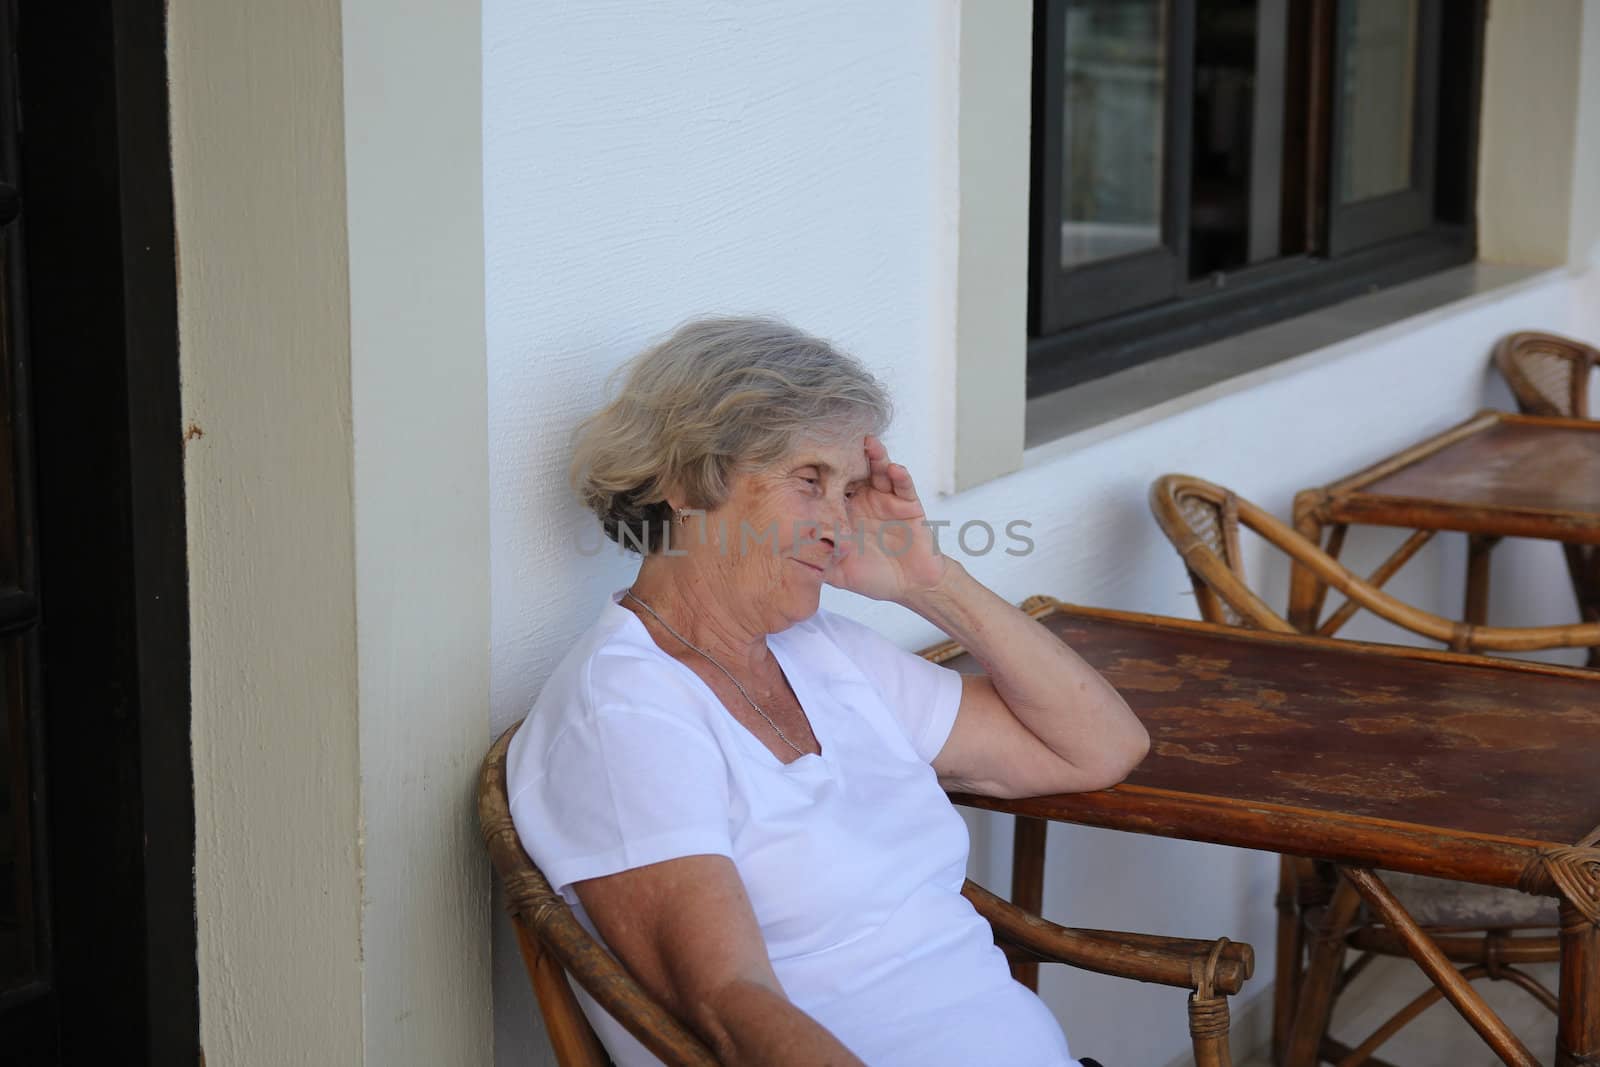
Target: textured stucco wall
264, 332
645, 164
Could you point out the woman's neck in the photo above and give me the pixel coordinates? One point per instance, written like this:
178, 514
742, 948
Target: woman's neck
703, 609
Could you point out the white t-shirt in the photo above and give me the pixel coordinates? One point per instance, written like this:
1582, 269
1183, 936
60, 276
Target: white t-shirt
853, 860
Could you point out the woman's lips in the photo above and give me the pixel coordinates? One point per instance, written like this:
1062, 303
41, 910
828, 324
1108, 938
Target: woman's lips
810, 566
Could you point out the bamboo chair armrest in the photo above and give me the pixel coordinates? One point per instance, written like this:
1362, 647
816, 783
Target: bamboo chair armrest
1202, 560
615, 990
546, 921
1458, 635
1207, 967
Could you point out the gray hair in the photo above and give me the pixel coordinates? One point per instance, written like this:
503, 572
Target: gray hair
719, 395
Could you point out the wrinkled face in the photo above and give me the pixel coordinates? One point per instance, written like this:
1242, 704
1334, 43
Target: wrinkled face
775, 540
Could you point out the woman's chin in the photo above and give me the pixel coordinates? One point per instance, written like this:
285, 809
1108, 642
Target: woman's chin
801, 599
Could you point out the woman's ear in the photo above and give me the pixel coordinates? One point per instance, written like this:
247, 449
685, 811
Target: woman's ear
673, 497
678, 501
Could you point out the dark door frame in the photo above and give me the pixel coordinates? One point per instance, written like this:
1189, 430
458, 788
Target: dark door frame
103, 334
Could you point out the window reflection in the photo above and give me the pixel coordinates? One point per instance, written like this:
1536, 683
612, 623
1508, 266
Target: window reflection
1224, 115
1113, 128
1379, 97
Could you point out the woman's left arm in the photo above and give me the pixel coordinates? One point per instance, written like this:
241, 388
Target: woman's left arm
1041, 720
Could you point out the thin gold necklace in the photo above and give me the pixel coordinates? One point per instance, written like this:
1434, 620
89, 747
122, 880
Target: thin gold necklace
748, 698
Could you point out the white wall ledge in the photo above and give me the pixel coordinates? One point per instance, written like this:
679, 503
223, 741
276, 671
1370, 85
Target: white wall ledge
1083, 415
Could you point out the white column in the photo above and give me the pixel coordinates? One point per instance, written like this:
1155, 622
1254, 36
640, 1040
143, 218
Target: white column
326, 172
991, 300
413, 90
1540, 133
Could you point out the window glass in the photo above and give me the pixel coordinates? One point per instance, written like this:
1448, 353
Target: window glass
1379, 93
1243, 151
1113, 126
1224, 136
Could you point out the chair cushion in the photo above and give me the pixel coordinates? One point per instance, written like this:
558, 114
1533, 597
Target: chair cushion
1438, 902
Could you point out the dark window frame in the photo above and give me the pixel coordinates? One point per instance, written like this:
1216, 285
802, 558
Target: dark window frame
1356, 249
1408, 211
1123, 283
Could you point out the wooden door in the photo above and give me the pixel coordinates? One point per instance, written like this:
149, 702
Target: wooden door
28, 997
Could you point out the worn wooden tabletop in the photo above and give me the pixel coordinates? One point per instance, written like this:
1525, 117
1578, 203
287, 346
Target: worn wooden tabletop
1497, 473
1403, 759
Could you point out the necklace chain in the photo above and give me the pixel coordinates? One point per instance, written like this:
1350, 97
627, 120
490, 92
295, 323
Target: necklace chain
748, 698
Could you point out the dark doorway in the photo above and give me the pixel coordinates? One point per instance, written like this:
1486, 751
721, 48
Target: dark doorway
97, 937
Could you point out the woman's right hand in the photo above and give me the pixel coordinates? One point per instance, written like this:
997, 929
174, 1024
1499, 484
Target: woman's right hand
892, 554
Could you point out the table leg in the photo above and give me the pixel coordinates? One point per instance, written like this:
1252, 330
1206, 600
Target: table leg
1305, 590
1291, 948
1321, 976
1027, 883
1578, 1030
1442, 972
1476, 610
1583, 561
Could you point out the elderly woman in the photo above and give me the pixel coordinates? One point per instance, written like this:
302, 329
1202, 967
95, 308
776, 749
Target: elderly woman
742, 794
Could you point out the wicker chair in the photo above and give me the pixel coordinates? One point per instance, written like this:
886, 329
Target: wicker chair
1484, 929
1548, 374
555, 945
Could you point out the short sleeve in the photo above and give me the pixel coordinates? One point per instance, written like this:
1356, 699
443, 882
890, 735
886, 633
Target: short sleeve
922, 695
619, 788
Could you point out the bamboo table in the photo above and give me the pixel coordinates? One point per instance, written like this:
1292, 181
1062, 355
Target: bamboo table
1496, 475
1367, 756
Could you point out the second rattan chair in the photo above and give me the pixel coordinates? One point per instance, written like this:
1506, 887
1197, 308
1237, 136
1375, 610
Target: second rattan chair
1489, 932
555, 945
1549, 374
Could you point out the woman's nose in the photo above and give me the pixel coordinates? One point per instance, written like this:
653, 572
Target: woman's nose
839, 515
827, 525
837, 521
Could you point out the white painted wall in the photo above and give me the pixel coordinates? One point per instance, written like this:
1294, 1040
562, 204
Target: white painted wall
647, 163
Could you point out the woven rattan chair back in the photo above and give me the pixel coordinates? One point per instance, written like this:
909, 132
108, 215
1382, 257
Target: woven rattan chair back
1225, 597
1208, 518
554, 944
1548, 374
